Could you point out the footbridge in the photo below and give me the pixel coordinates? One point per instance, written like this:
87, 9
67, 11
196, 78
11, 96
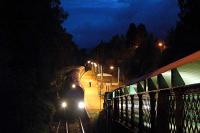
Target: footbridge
164, 101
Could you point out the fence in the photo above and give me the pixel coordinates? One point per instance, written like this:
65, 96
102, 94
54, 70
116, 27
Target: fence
171, 110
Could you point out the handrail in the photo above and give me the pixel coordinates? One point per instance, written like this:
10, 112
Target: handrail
165, 108
158, 90
172, 66
66, 125
58, 127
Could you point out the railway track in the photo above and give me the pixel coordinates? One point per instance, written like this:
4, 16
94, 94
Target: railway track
68, 127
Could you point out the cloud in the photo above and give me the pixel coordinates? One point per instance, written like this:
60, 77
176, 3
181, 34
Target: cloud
96, 3
93, 20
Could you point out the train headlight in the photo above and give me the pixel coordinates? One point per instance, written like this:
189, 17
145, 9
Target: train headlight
73, 86
81, 105
64, 105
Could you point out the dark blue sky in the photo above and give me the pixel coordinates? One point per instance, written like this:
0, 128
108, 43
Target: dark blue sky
90, 21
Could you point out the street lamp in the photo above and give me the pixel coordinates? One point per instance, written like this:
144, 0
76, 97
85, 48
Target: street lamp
161, 46
88, 62
101, 85
111, 67
118, 73
64, 105
95, 64
92, 63
95, 67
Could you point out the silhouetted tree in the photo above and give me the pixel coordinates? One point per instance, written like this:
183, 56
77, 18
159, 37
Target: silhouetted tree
184, 39
130, 35
32, 44
135, 53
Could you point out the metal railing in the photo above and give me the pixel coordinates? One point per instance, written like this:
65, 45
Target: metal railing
170, 110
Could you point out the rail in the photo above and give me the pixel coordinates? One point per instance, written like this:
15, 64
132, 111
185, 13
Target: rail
68, 127
82, 129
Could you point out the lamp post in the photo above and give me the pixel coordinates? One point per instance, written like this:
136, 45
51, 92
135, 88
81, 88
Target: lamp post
88, 64
118, 73
161, 46
101, 85
95, 67
111, 68
92, 65
64, 106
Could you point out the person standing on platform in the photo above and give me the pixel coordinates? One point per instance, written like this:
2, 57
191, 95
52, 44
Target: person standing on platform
90, 83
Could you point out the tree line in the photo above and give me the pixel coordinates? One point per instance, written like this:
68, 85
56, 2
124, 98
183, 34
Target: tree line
138, 53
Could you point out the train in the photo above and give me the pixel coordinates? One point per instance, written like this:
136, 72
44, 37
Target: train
71, 96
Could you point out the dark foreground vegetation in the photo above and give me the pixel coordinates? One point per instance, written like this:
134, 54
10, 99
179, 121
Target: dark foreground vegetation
34, 46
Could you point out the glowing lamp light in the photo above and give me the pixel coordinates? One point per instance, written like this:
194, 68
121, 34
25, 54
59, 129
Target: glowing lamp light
136, 46
81, 105
111, 67
64, 105
88, 62
73, 86
95, 65
160, 44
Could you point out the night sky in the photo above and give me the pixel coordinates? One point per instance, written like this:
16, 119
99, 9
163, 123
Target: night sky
90, 21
